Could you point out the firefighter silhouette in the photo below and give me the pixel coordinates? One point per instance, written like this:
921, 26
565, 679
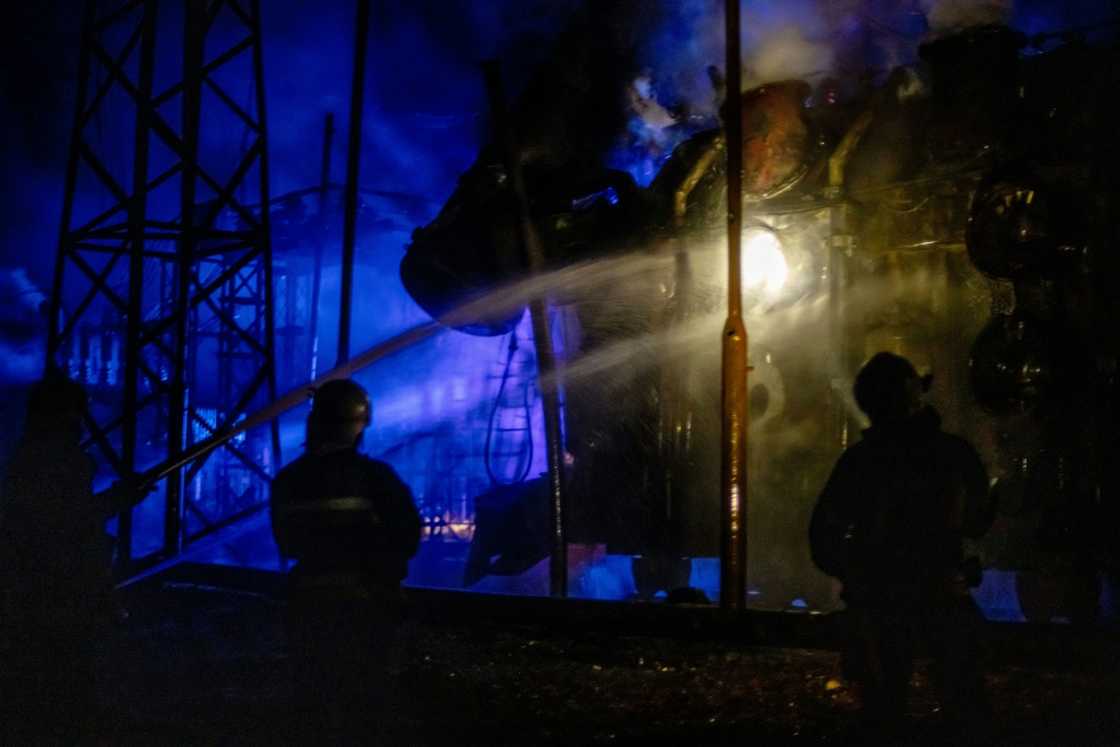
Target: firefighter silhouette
890, 524
56, 587
351, 526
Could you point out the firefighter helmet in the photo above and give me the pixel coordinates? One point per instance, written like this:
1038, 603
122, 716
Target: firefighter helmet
55, 402
340, 412
883, 386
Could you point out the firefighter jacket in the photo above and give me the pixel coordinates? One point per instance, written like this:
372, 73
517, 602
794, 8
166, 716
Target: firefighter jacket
54, 554
346, 517
891, 520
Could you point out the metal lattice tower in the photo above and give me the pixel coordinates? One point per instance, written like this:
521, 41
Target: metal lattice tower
160, 252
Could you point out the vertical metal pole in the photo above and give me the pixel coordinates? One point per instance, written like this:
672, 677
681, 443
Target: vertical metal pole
353, 162
840, 247
265, 236
317, 273
733, 524
88, 40
137, 215
193, 39
542, 336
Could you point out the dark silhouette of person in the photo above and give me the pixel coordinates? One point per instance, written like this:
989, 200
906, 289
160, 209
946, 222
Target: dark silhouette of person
351, 525
890, 525
56, 587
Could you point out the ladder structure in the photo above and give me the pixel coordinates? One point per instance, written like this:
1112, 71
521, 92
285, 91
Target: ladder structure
160, 251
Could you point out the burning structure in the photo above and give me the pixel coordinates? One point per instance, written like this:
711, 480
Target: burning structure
955, 209
948, 214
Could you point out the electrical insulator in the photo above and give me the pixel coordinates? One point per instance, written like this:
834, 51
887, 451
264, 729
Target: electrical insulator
1012, 364
1010, 229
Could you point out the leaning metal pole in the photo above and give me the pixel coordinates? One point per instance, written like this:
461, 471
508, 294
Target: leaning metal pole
733, 518
353, 162
300, 394
320, 240
542, 336
292, 399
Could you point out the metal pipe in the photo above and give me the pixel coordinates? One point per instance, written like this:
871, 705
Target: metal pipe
733, 524
300, 394
295, 397
840, 249
265, 236
542, 335
675, 414
838, 161
317, 272
353, 162
695, 174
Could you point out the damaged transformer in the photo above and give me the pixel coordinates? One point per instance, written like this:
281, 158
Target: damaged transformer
960, 213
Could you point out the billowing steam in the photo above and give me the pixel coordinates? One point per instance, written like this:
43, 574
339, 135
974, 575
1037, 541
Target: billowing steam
949, 16
22, 325
683, 64
781, 40
785, 53
679, 91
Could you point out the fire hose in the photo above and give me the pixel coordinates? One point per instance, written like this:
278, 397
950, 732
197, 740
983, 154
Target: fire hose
274, 409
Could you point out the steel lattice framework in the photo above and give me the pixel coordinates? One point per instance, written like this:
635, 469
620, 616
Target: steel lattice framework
158, 243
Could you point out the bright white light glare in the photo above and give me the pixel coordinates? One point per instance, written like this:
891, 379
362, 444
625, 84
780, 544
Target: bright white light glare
764, 263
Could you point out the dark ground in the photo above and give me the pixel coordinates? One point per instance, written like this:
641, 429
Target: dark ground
199, 665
